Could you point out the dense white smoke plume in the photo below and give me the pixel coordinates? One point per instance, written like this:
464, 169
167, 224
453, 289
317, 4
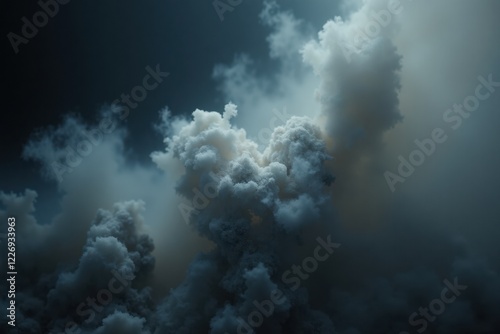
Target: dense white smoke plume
257, 206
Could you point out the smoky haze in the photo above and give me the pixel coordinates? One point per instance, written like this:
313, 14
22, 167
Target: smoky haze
335, 171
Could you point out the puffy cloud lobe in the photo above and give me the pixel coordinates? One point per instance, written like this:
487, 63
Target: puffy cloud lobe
123, 323
256, 193
292, 165
225, 321
115, 247
293, 213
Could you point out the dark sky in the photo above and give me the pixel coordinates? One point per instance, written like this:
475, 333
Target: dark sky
93, 51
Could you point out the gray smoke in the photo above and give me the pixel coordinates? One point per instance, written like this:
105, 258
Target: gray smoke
259, 204
116, 255
202, 240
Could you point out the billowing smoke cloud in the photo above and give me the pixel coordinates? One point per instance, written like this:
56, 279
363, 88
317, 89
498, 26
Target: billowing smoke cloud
107, 282
260, 202
359, 68
102, 176
359, 71
120, 258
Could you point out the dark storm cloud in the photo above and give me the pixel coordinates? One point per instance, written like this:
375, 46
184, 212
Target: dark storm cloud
75, 297
256, 195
